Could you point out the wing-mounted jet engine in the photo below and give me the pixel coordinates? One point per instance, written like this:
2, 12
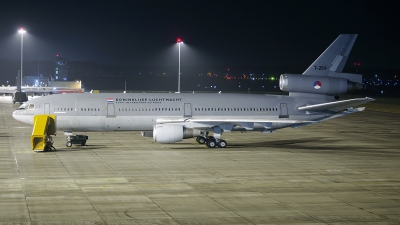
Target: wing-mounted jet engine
170, 133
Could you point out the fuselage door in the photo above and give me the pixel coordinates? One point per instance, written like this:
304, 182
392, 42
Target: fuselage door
284, 111
187, 110
110, 109
46, 108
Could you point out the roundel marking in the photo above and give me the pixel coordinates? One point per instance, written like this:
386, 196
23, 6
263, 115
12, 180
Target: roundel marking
317, 84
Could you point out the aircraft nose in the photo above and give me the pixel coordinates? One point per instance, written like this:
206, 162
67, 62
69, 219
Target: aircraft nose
21, 116
15, 115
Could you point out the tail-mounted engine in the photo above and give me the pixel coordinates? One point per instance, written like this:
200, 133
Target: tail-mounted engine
317, 84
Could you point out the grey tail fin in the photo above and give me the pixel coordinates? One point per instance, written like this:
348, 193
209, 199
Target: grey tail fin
333, 59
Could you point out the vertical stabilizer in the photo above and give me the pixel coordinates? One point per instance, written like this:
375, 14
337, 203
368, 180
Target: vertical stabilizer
333, 59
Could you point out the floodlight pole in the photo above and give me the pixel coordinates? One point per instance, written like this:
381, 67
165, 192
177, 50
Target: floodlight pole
179, 65
22, 31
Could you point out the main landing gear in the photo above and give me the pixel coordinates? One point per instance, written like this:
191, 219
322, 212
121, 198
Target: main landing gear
211, 142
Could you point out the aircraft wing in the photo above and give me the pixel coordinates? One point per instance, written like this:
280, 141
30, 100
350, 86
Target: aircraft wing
336, 106
228, 123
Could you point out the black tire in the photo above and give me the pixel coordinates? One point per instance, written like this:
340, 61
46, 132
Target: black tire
211, 144
83, 143
222, 144
201, 140
210, 138
68, 144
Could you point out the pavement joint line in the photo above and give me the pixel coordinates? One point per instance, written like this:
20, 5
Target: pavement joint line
18, 168
87, 198
189, 159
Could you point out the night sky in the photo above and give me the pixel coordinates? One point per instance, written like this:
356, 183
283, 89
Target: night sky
241, 33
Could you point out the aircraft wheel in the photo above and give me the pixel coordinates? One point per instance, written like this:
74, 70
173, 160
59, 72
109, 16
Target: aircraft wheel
211, 144
222, 144
68, 144
210, 138
201, 140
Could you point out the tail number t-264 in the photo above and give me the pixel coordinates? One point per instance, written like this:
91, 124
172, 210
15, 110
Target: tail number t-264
320, 67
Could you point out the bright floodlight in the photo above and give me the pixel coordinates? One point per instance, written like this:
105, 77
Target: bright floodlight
179, 41
22, 31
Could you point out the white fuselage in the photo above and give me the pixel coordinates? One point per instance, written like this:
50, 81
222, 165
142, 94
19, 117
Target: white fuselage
140, 111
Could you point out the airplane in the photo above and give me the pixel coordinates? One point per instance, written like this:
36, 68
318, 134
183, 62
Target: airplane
32, 89
21, 96
172, 117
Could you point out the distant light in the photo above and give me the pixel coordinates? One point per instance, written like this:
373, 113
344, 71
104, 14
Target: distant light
21, 31
179, 40
57, 55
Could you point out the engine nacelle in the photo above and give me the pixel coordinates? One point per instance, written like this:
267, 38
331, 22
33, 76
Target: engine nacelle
316, 84
170, 133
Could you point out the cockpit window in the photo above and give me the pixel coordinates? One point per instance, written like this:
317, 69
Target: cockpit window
31, 106
23, 106
27, 106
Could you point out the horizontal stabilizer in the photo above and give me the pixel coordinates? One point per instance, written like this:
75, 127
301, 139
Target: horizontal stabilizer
336, 106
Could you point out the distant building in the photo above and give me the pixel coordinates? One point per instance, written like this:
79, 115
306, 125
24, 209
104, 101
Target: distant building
60, 69
35, 81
